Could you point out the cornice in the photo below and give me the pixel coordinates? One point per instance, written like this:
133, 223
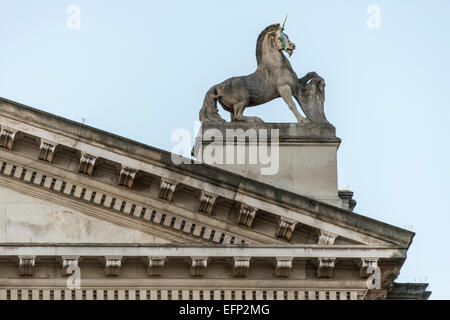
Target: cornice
197, 250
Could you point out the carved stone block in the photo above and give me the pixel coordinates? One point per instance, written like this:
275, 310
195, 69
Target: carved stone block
68, 264
241, 266
167, 189
365, 264
47, 150
283, 267
326, 238
87, 163
285, 228
246, 215
198, 266
155, 266
347, 199
112, 266
325, 267
26, 265
7, 137
207, 201
127, 176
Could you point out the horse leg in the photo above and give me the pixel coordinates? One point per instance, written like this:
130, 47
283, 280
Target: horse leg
238, 109
286, 93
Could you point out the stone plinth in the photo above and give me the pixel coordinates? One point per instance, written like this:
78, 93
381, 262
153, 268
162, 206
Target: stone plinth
296, 157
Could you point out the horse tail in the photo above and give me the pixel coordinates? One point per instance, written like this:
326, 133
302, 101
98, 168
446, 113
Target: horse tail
209, 111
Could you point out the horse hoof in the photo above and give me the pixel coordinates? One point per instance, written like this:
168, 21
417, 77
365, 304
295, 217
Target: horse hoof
304, 121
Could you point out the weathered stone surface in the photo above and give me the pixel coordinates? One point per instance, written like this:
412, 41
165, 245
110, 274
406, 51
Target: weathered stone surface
326, 238
246, 215
366, 264
155, 266
26, 265
241, 266
285, 228
26, 219
347, 199
198, 266
207, 201
409, 291
68, 263
201, 254
47, 150
113, 265
127, 176
294, 132
325, 267
87, 163
283, 267
167, 189
7, 137
304, 161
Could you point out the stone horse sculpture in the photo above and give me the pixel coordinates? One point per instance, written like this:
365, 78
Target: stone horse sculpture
272, 79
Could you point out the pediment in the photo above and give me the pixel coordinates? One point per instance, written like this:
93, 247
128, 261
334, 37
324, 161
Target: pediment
139, 188
28, 219
75, 210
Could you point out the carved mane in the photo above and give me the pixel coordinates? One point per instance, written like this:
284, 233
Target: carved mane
260, 40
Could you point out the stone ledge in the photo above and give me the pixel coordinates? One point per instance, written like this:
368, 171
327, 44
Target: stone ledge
409, 291
393, 253
310, 132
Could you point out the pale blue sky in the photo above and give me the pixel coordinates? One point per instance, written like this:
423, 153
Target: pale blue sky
140, 69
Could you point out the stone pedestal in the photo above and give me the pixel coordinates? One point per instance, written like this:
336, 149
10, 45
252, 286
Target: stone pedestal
300, 157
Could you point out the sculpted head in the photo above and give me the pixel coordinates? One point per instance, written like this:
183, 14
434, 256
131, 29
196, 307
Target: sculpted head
273, 38
282, 42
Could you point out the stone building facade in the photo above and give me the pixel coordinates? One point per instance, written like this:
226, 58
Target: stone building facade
77, 203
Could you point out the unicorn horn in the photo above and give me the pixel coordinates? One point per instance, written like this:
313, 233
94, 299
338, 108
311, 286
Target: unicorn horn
284, 22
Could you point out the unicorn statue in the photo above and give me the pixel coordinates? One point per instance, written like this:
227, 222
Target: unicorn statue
272, 79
